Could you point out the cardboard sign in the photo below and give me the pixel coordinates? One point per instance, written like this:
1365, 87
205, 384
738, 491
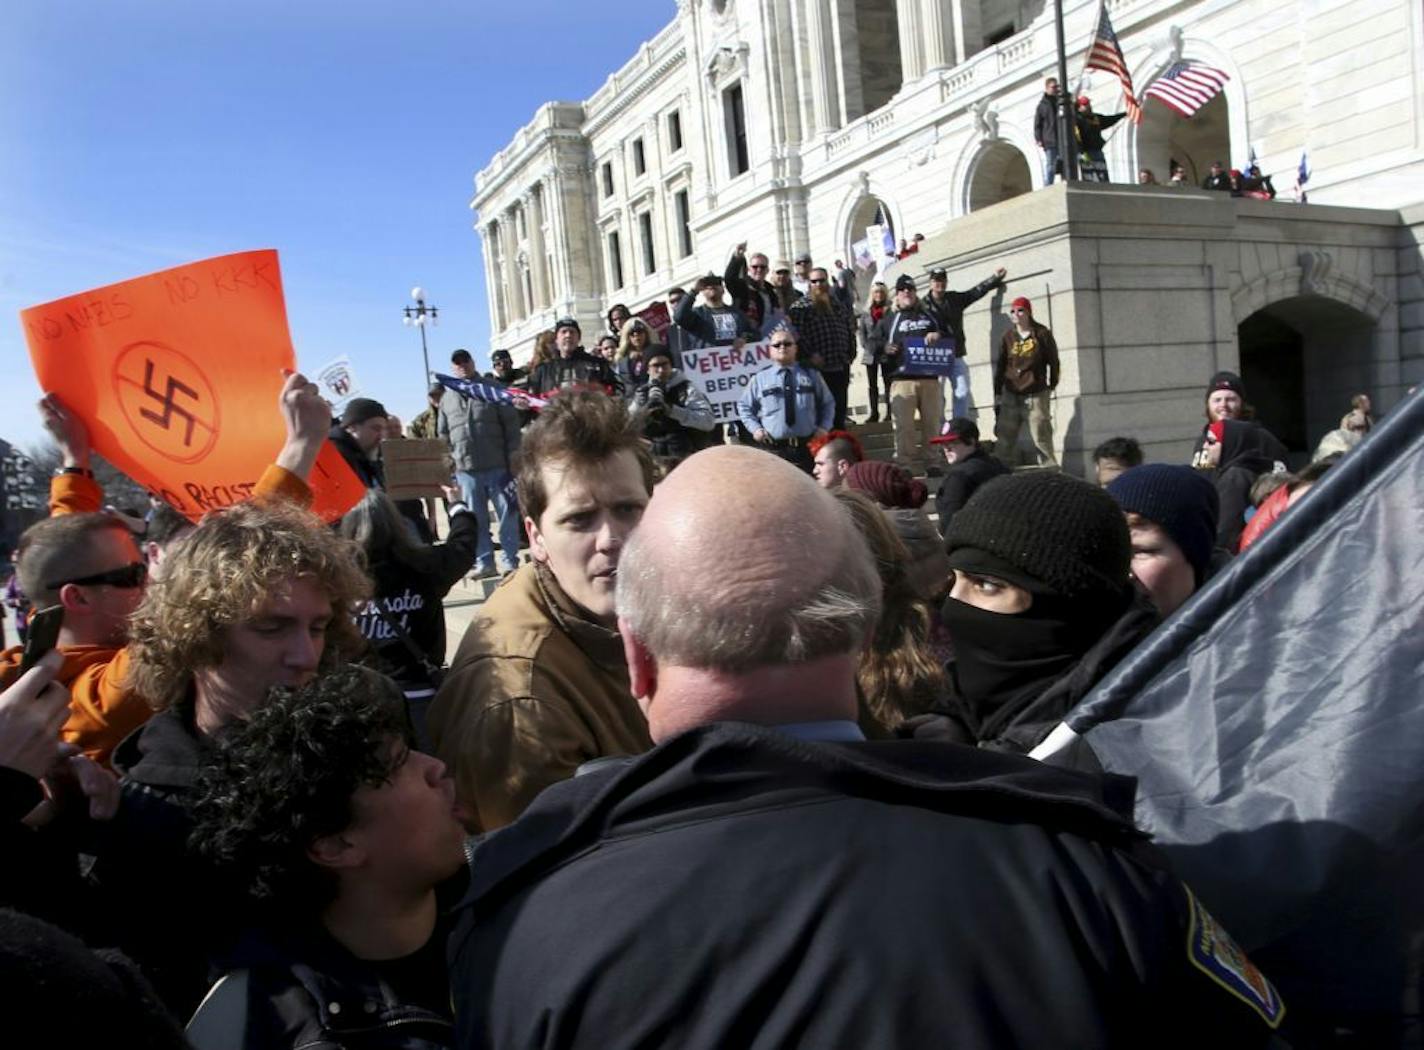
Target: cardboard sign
416, 467
936, 359
177, 376
723, 373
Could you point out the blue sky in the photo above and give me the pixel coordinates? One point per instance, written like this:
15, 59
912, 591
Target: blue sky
135, 136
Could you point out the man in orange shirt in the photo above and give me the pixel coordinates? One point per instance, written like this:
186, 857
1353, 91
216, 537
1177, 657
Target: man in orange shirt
89, 563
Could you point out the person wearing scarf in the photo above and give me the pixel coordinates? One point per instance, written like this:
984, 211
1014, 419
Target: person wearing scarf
1041, 608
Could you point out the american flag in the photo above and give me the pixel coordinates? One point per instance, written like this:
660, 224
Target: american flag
1104, 53
1187, 86
479, 390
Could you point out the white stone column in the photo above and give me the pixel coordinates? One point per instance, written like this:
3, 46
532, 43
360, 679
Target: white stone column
510, 256
966, 28
939, 36
821, 64
557, 189
534, 223
499, 318
912, 59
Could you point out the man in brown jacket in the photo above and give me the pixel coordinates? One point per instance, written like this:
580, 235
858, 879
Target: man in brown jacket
1025, 376
539, 684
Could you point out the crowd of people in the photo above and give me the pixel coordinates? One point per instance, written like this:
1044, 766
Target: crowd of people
703, 763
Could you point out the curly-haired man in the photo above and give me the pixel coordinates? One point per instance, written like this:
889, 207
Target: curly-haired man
341, 834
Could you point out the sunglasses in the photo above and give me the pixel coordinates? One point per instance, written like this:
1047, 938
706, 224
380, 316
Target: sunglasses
788, 342
128, 576
757, 266
817, 280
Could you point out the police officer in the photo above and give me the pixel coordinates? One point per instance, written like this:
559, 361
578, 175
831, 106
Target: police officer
786, 404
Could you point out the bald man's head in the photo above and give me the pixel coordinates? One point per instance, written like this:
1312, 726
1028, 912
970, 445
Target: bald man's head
719, 575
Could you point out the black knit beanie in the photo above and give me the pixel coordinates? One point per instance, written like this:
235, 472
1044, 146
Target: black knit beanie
1063, 533
1179, 499
1225, 381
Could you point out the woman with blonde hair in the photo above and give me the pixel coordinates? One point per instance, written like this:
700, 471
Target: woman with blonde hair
899, 676
631, 360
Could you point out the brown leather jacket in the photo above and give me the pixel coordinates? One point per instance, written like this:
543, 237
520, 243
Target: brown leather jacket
535, 690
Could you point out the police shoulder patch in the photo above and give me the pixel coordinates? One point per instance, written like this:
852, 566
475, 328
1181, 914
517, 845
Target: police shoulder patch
1214, 953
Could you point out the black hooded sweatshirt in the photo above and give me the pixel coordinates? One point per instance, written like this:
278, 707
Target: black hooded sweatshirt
1248, 450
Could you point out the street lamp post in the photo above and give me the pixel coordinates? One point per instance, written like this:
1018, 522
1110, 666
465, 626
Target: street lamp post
420, 315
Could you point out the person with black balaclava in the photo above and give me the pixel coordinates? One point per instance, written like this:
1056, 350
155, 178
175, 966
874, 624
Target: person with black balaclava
1041, 608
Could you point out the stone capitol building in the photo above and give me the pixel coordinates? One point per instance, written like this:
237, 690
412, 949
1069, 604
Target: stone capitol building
795, 125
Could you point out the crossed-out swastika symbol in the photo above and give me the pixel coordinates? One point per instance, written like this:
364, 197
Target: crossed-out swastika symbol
166, 400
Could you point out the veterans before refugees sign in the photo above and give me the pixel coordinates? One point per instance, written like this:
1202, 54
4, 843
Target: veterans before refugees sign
723, 372
177, 376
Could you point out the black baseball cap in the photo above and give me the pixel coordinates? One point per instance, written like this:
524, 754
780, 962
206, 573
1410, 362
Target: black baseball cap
501, 355
567, 322
939, 275
904, 282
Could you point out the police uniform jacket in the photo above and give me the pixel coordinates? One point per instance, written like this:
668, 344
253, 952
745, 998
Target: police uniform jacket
738, 887
763, 403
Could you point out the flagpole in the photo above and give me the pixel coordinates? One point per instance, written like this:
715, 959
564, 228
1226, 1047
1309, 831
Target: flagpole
1067, 144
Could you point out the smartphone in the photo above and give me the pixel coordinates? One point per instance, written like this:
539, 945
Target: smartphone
43, 635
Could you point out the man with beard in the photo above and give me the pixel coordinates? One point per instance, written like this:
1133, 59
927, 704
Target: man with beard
539, 685
827, 333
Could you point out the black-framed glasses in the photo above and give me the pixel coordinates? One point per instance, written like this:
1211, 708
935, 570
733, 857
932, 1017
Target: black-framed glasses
757, 266
818, 280
127, 576
787, 342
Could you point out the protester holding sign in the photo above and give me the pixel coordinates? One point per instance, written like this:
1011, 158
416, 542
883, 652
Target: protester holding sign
1025, 376
913, 386
786, 405
87, 562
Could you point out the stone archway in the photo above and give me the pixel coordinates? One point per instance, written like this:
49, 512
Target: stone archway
1164, 136
1000, 171
867, 211
1302, 358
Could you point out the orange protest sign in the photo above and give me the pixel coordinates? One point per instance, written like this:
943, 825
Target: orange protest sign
177, 375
